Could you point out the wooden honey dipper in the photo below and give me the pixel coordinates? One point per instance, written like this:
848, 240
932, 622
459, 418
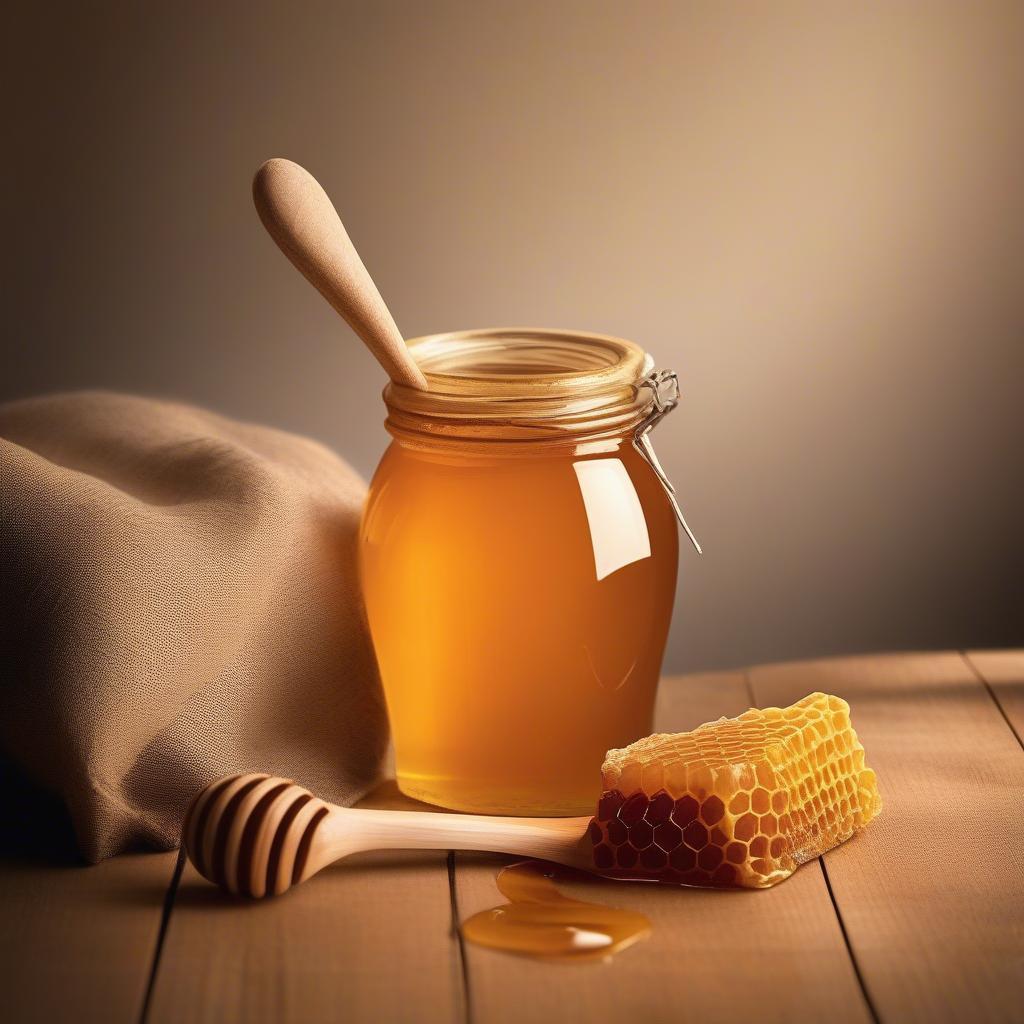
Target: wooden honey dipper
258, 835
759, 795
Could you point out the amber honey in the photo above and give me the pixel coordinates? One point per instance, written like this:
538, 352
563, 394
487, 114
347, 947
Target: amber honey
519, 577
540, 921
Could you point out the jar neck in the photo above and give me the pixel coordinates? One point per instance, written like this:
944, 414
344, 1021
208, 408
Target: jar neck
521, 388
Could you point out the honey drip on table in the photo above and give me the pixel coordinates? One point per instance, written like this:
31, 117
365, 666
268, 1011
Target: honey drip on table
539, 921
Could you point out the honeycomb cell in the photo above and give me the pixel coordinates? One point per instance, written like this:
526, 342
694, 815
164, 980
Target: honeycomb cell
710, 857
668, 835
683, 859
633, 809
641, 835
695, 835
627, 857
659, 809
686, 810
712, 810
675, 775
758, 846
653, 858
718, 837
736, 853
653, 777
630, 779
737, 802
746, 827
617, 832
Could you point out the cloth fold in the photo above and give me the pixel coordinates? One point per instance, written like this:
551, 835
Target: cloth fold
179, 600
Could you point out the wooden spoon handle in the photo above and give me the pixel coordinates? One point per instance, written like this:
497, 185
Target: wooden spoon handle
352, 830
302, 220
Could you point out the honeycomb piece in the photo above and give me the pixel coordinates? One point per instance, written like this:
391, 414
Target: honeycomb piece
738, 802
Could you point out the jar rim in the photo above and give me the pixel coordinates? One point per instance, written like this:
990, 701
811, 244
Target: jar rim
516, 385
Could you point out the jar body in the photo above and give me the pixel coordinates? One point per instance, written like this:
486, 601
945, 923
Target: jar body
519, 607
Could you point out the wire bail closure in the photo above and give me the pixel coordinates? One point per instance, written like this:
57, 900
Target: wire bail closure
664, 387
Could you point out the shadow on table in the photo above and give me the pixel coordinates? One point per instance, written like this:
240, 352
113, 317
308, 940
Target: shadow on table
193, 892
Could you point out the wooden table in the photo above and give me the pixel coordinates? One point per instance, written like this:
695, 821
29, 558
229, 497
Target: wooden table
920, 918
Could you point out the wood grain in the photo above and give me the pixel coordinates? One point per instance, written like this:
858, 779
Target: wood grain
1003, 671
930, 895
931, 892
77, 943
370, 940
775, 955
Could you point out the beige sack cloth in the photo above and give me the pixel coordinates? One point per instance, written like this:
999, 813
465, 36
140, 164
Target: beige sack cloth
179, 600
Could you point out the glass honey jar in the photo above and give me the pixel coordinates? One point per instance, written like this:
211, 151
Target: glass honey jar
518, 557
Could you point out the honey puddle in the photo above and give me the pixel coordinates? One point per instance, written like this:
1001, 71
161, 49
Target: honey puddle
539, 921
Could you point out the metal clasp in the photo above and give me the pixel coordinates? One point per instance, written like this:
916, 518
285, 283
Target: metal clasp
664, 387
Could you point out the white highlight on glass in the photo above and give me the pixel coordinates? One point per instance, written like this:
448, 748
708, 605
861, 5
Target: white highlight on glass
618, 529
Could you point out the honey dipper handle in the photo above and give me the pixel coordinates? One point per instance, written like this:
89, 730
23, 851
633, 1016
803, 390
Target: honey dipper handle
302, 220
347, 830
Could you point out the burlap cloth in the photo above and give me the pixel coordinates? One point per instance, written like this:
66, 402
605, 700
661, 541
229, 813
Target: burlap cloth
179, 600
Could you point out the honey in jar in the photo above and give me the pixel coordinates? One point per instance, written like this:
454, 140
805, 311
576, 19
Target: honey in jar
518, 559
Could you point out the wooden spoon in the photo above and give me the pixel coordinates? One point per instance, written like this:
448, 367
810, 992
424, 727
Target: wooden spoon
302, 220
256, 835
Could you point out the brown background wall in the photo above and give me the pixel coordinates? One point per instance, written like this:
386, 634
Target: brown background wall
814, 212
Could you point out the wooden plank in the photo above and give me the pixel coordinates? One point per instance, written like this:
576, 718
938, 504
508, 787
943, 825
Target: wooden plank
369, 939
772, 956
931, 893
77, 942
1003, 671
